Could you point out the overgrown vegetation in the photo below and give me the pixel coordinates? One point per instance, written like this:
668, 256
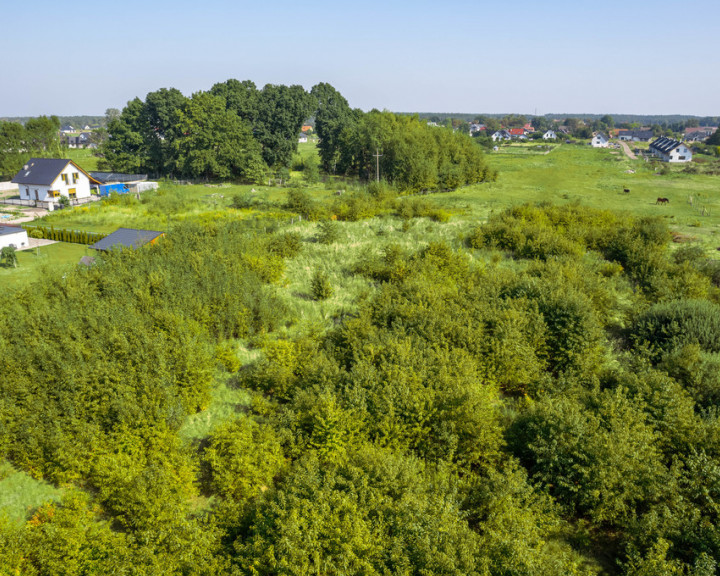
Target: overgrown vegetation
536, 399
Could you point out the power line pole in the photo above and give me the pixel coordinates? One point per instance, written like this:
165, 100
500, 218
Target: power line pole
377, 156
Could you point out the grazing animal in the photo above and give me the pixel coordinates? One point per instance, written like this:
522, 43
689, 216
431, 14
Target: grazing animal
626, 190
662, 201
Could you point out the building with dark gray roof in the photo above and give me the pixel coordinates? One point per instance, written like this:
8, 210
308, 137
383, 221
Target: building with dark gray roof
669, 150
127, 238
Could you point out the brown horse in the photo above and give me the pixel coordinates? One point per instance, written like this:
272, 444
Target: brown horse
662, 201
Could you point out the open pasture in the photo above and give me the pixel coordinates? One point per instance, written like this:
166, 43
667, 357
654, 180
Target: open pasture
597, 178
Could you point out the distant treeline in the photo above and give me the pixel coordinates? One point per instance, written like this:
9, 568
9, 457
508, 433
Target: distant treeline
18, 142
237, 131
75, 121
644, 119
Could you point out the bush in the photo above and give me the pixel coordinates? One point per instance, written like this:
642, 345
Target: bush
328, 232
669, 325
320, 286
286, 245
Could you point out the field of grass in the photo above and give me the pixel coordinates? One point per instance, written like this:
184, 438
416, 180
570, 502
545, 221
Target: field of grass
596, 178
84, 158
19, 493
34, 265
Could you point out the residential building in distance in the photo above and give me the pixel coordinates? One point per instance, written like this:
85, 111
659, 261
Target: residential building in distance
599, 140
699, 133
501, 135
635, 135
669, 150
549, 135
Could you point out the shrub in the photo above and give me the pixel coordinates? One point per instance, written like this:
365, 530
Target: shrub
328, 232
669, 325
286, 245
320, 286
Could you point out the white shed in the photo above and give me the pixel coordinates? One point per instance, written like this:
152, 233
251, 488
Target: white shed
13, 236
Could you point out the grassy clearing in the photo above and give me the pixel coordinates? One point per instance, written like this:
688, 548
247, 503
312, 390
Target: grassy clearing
34, 265
83, 157
596, 178
19, 493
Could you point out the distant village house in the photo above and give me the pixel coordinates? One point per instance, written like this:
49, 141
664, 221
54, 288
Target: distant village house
669, 150
599, 140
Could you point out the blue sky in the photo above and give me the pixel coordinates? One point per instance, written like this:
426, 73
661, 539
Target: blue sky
81, 57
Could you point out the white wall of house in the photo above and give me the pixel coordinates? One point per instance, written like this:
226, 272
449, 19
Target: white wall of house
680, 154
599, 142
74, 185
549, 135
19, 240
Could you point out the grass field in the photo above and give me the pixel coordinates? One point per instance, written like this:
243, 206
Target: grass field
84, 158
19, 493
34, 265
596, 178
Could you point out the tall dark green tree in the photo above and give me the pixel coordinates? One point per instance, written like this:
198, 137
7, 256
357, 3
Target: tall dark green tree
213, 142
332, 117
281, 113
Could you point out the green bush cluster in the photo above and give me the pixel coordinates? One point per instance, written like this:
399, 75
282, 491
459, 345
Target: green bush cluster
542, 401
62, 235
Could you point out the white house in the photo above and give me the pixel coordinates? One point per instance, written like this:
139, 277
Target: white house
501, 135
669, 150
549, 135
599, 140
47, 179
303, 138
635, 135
13, 236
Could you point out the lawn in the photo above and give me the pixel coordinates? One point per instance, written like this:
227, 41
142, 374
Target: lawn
83, 157
19, 493
34, 265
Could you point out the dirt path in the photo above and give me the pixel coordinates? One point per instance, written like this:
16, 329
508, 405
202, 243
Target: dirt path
627, 150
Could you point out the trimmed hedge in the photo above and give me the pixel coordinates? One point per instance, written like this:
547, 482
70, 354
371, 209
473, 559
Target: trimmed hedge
62, 235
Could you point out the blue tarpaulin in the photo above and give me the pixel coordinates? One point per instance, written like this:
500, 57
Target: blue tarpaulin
107, 189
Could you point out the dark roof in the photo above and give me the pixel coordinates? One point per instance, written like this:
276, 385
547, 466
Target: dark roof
126, 238
44, 171
665, 144
106, 177
10, 230
640, 134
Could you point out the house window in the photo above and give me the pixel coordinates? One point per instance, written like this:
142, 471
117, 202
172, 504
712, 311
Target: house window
681, 158
64, 178
75, 177
72, 192
54, 193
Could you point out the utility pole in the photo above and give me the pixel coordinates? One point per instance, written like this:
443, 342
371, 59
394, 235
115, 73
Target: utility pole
377, 156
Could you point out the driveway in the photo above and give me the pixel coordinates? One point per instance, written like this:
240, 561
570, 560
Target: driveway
626, 149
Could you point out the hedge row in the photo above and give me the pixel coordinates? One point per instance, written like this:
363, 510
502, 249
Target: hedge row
61, 235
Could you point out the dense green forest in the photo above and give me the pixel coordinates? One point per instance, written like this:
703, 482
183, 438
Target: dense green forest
238, 131
539, 397
18, 142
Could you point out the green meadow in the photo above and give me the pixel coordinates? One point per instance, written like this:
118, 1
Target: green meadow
37, 264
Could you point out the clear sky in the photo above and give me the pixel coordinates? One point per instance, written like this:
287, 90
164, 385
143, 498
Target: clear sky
575, 56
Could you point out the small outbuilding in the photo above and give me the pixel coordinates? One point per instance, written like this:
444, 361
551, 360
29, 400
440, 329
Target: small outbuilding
127, 238
13, 236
